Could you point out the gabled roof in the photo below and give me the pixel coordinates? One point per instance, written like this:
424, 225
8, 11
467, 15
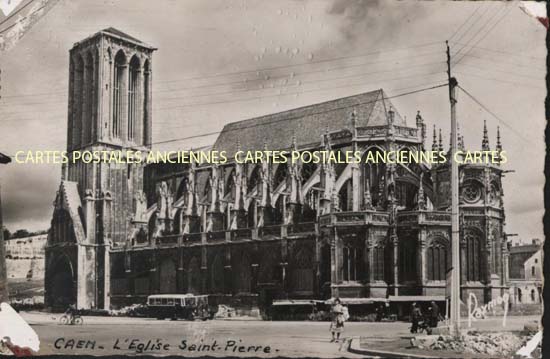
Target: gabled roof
307, 123
4, 158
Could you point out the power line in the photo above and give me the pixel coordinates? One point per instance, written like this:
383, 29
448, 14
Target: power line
498, 80
260, 97
250, 89
352, 76
515, 64
307, 82
63, 92
309, 62
258, 72
500, 51
184, 123
472, 25
464, 23
256, 97
298, 117
493, 114
495, 14
505, 72
504, 14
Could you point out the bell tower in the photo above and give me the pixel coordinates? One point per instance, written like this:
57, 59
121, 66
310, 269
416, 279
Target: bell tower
109, 109
110, 92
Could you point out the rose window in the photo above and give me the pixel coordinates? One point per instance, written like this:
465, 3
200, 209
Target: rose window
471, 192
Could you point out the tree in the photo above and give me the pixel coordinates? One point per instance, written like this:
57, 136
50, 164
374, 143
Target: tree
21, 233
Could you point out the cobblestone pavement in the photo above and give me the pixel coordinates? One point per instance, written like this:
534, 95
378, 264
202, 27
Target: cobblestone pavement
117, 335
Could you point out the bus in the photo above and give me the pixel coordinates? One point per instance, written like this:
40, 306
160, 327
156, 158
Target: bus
180, 306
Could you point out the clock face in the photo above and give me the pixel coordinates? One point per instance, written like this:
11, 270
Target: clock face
471, 192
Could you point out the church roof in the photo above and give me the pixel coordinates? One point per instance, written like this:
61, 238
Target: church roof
307, 124
111, 31
116, 32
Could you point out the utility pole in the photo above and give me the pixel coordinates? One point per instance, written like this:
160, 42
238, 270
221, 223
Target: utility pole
3, 274
455, 230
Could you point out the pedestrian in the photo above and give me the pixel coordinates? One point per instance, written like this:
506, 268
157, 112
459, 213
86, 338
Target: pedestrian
380, 312
435, 314
416, 316
338, 319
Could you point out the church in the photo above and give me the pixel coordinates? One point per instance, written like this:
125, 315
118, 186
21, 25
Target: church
363, 232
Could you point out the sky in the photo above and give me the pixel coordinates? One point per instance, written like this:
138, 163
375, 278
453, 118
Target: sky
221, 61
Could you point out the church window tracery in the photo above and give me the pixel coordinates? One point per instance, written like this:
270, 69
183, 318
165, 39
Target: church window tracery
437, 259
471, 191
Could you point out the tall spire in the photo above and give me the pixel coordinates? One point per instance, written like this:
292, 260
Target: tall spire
421, 128
461, 143
434, 143
354, 124
392, 114
421, 200
499, 144
460, 139
440, 141
485, 141
354, 119
367, 199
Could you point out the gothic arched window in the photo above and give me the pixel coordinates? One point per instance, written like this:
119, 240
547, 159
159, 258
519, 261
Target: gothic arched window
133, 97
308, 169
407, 259
118, 94
474, 252
77, 101
254, 180
405, 193
379, 253
230, 186
301, 277
146, 104
352, 262
373, 174
345, 196
88, 98
280, 175
437, 259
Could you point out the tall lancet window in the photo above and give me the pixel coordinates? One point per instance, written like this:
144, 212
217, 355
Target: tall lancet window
133, 97
77, 101
118, 94
146, 103
88, 99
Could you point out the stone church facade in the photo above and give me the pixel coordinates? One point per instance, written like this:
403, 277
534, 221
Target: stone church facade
243, 232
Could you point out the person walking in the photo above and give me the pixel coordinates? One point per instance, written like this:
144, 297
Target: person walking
435, 314
416, 316
338, 319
